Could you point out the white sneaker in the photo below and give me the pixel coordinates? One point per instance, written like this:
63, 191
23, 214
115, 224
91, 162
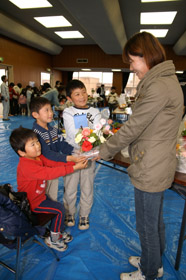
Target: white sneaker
66, 237
83, 223
135, 261
136, 275
69, 220
58, 245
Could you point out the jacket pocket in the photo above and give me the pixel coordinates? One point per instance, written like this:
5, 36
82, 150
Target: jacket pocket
137, 167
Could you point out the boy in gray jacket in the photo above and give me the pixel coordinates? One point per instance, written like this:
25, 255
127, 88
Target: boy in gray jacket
75, 116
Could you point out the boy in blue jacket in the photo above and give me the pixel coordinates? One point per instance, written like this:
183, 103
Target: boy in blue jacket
53, 145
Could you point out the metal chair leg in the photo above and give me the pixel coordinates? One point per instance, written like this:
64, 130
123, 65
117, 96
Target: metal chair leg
18, 258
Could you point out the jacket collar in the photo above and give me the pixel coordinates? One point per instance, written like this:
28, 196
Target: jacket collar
40, 128
38, 162
162, 69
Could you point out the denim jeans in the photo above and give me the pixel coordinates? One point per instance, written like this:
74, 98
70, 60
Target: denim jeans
151, 230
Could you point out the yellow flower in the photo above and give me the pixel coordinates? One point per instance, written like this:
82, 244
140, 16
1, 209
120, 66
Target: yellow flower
177, 147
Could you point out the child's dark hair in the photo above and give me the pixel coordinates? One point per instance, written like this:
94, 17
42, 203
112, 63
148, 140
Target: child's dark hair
19, 138
73, 84
62, 97
3, 78
37, 103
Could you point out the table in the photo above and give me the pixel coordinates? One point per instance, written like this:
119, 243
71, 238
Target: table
119, 111
179, 186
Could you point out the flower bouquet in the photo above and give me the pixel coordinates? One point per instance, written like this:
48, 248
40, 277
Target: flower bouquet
90, 139
181, 153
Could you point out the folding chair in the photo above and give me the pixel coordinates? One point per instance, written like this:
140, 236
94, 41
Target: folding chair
15, 230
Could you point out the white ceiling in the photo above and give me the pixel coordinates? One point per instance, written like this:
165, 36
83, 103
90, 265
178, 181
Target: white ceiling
106, 23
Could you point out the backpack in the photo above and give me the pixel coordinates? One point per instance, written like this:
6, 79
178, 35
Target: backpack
20, 199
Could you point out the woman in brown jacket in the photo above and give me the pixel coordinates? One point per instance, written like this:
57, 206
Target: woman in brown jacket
151, 133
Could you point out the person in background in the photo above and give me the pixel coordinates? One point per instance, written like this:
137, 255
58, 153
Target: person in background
51, 94
151, 134
18, 90
33, 171
15, 99
23, 102
11, 92
5, 98
62, 99
20, 87
57, 84
101, 92
112, 102
60, 109
28, 98
61, 91
73, 117
35, 92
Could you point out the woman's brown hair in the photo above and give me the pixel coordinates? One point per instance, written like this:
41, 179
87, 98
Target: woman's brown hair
145, 45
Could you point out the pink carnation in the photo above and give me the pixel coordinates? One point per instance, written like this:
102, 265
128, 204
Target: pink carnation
110, 121
106, 129
98, 126
86, 131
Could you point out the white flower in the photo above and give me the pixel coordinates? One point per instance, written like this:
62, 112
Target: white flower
103, 121
78, 138
102, 139
92, 139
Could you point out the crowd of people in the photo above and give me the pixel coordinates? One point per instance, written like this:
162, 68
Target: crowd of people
16, 99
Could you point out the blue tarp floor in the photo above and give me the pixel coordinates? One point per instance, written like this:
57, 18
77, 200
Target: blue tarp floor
102, 252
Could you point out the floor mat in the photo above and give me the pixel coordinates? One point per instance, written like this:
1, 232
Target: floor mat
102, 252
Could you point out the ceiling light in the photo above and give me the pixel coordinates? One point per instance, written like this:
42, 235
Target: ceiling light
157, 18
116, 70
69, 34
85, 69
159, 33
25, 4
53, 21
148, 1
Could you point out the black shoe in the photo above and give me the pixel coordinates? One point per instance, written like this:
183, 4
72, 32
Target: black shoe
6, 119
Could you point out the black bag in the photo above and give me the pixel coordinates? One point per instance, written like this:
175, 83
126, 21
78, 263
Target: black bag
20, 199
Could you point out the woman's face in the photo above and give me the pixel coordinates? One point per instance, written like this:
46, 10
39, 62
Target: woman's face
138, 66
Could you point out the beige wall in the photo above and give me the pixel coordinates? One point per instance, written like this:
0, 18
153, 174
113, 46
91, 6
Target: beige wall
28, 63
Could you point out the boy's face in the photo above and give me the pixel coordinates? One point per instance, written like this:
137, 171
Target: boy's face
79, 97
32, 149
44, 116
